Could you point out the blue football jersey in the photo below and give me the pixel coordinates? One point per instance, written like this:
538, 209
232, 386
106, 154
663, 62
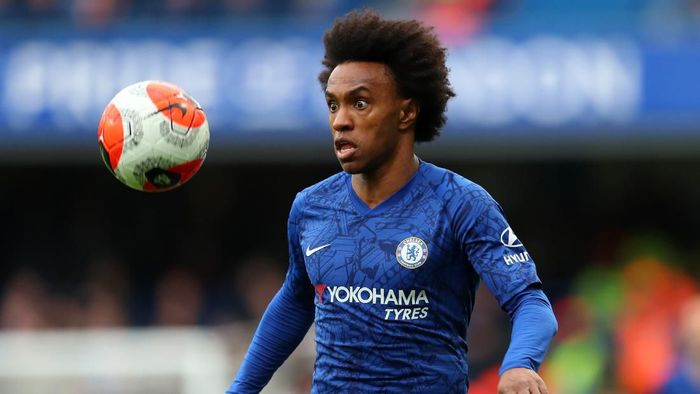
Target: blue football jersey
394, 286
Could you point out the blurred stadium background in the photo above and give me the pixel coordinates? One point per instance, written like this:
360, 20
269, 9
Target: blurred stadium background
581, 117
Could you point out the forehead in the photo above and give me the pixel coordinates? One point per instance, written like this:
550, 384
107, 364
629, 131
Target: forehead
350, 75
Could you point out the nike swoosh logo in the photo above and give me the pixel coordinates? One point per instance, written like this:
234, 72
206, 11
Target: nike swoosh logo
181, 106
309, 252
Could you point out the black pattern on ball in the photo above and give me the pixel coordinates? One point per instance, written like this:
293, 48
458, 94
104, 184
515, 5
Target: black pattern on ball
161, 178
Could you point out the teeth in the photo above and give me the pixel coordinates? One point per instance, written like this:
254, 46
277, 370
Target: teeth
344, 147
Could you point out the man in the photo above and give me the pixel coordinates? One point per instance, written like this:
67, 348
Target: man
386, 256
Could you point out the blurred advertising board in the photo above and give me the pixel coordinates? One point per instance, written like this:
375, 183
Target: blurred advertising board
259, 85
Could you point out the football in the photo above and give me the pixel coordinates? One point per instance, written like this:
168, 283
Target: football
153, 136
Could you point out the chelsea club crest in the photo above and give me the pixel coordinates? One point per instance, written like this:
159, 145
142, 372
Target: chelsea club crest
412, 252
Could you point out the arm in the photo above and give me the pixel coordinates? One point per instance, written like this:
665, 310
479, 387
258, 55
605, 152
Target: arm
281, 328
534, 325
284, 323
508, 270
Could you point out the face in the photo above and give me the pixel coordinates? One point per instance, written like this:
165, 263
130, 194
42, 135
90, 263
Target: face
365, 116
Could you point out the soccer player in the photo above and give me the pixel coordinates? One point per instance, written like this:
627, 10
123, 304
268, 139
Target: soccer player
386, 256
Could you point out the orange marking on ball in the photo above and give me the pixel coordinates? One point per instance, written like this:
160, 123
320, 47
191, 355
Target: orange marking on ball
175, 104
110, 133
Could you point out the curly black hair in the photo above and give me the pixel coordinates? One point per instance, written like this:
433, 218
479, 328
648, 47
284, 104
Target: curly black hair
411, 51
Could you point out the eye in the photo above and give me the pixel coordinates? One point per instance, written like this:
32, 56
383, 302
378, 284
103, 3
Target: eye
361, 104
332, 106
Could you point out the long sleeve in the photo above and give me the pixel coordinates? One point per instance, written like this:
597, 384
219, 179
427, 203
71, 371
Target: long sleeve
285, 321
534, 326
508, 270
282, 327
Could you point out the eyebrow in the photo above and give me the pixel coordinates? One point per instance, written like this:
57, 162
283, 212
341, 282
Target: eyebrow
354, 91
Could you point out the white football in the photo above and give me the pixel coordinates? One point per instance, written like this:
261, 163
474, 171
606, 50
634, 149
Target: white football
153, 136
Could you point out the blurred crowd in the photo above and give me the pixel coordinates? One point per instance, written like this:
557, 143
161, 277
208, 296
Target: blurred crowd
627, 325
108, 297
461, 17
456, 21
455, 13
108, 11
630, 325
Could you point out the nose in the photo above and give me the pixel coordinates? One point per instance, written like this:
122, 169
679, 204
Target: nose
340, 120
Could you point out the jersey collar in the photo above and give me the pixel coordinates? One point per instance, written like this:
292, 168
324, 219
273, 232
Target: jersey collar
394, 199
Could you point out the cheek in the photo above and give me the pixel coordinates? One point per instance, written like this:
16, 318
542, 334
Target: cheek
388, 119
386, 127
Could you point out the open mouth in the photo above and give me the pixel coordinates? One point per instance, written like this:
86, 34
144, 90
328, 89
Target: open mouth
344, 149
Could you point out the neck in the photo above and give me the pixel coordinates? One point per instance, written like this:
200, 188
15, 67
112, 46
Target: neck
376, 186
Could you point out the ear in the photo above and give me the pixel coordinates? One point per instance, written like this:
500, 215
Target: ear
408, 114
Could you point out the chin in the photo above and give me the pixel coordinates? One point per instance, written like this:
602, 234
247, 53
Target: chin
351, 167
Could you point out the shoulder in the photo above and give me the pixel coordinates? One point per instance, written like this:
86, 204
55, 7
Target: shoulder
325, 192
453, 188
327, 189
464, 201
